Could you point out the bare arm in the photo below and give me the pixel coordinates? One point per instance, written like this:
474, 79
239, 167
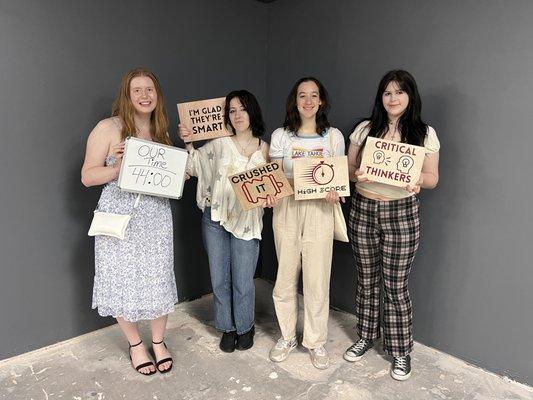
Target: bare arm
185, 133
265, 147
355, 174
429, 177
94, 172
353, 151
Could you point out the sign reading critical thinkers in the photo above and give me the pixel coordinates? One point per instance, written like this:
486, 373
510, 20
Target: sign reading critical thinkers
394, 163
254, 185
205, 118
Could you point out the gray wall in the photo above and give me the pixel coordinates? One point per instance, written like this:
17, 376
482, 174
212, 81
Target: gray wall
60, 70
61, 64
473, 60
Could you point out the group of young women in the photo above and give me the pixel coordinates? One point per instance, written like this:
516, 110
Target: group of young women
134, 277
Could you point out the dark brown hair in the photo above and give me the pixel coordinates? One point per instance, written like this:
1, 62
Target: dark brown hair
251, 105
292, 116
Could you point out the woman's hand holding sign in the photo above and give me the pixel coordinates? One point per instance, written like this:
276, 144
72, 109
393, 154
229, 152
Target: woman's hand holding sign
185, 133
361, 177
415, 188
271, 202
333, 197
118, 152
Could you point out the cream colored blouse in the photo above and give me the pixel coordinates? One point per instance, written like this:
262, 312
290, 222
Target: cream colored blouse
212, 164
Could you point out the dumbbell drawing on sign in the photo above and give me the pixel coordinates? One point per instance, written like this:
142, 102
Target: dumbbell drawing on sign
258, 189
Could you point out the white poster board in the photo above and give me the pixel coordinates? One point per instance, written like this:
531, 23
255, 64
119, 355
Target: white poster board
152, 168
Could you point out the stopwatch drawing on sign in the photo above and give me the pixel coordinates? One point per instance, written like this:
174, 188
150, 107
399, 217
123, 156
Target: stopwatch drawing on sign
320, 174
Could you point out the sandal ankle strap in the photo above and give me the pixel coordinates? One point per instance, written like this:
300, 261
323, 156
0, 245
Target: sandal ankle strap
134, 345
162, 341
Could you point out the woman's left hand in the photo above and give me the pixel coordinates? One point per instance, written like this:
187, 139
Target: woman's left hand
333, 197
271, 202
415, 188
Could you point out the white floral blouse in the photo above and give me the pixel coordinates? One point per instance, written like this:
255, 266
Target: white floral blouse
212, 164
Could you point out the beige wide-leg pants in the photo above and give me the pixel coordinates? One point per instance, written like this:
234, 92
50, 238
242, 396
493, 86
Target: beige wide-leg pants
303, 234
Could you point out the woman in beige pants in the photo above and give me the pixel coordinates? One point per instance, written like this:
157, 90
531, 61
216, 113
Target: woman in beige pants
303, 230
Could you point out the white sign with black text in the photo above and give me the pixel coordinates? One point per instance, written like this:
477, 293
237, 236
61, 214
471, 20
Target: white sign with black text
152, 168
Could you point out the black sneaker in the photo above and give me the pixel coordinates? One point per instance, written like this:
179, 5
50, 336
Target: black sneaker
227, 342
401, 368
246, 340
357, 350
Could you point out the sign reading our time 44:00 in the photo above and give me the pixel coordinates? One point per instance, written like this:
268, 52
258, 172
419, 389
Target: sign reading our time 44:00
315, 177
394, 163
152, 168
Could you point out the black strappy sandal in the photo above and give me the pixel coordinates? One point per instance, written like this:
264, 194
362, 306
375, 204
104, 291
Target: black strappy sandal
141, 366
164, 360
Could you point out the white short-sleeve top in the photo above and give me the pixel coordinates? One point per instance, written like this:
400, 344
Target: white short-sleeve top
289, 146
431, 144
212, 164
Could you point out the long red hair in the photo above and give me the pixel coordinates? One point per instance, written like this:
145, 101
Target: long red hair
123, 108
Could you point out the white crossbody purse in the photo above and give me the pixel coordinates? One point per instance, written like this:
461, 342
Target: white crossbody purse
111, 224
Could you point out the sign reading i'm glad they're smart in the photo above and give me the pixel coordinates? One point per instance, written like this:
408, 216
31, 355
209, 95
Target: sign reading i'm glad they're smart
152, 168
205, 118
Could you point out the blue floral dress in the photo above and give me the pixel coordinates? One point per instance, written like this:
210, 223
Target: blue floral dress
134, 277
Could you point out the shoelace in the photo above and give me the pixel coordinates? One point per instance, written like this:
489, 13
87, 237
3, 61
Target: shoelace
356, 348
320, 351
400, 363
283, 344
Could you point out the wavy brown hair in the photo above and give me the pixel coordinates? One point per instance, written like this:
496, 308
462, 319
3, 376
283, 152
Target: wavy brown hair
123, 108
293, 120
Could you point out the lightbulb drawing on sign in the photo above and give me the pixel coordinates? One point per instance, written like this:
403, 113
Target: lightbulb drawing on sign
379, 157
404, 164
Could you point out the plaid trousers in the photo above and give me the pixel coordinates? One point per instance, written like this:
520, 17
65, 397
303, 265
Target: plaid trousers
384, 237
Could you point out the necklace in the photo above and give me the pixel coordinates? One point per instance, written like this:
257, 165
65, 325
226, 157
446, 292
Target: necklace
394, 127
143, 133
243, 148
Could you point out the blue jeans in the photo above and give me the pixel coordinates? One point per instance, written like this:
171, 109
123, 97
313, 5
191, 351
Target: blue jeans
232, 264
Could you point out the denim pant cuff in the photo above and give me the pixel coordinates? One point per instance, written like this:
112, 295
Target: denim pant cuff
246, 331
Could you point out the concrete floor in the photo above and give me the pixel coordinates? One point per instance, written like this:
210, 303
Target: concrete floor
96, 366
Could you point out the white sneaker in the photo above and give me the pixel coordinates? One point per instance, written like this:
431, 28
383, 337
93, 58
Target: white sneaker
281, 350
319, 357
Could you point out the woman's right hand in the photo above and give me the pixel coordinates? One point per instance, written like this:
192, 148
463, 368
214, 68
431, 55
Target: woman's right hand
185, 134
361, 177
118, 152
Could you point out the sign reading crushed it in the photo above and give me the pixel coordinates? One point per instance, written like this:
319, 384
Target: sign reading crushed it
254, 185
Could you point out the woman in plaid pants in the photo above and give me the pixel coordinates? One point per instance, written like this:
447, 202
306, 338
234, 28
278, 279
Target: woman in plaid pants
384, 225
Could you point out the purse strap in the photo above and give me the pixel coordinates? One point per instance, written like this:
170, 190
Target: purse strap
330, 143
135, 204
